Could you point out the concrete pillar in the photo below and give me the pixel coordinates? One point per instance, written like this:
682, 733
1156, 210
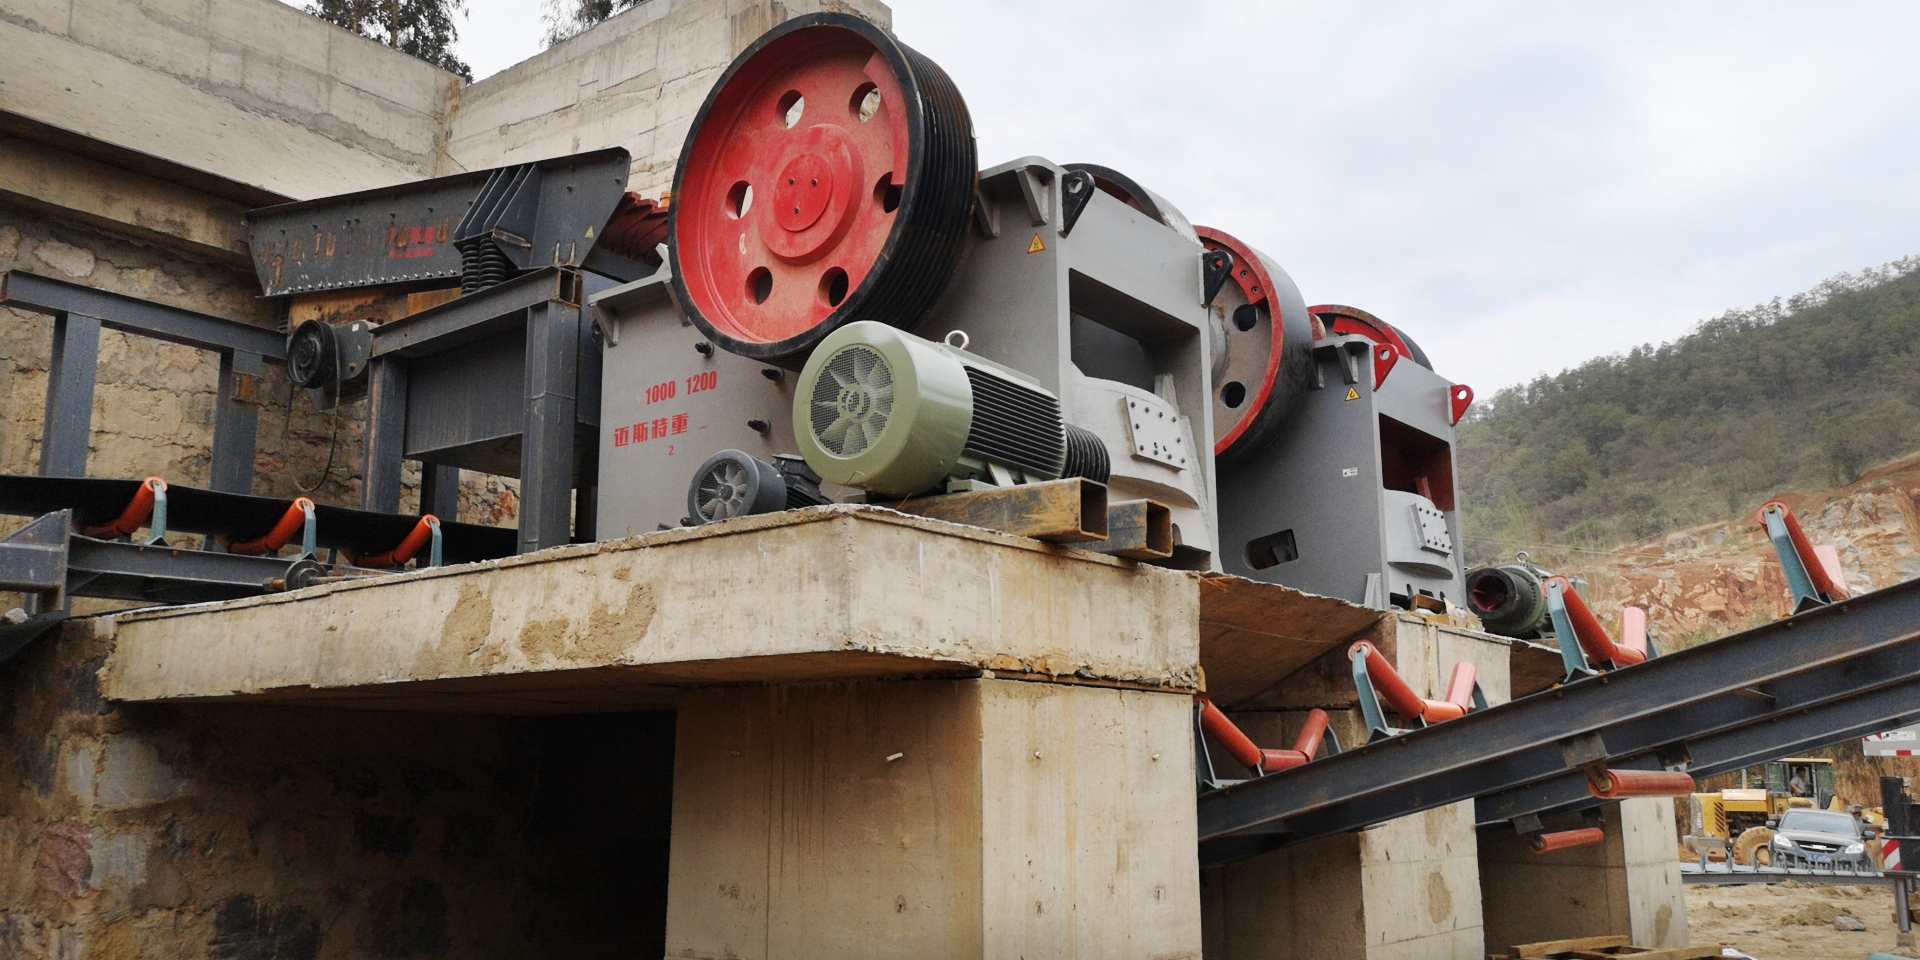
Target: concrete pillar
933, 819
1629, 885
1404, 890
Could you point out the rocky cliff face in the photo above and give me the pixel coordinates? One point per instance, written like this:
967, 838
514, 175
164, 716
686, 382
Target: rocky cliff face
1706, 582
1702, 584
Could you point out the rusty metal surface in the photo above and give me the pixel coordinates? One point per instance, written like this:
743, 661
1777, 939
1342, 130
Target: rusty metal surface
405, 233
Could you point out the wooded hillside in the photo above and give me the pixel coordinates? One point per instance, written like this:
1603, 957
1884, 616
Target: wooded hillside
1801, 394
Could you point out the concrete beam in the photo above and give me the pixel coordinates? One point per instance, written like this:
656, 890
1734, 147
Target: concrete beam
251, 90
829, 593
38, 176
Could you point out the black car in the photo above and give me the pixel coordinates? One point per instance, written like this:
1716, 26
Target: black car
1820, 838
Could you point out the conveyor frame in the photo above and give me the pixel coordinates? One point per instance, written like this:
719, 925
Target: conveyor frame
1819, 677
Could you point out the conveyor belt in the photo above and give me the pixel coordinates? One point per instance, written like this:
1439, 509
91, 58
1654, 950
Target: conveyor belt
1824, 676
189, 510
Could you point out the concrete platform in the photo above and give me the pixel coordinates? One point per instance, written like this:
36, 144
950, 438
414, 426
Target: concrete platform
829, 593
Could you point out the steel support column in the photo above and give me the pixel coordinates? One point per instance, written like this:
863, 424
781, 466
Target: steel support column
546, 445
386, 435
236, 421
440, 491
71, 374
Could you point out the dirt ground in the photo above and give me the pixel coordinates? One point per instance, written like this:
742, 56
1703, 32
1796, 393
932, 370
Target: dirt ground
1791, 920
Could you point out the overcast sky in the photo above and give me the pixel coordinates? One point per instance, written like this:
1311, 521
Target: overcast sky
1519, 186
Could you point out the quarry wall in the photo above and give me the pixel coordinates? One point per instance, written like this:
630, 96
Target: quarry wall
293, 834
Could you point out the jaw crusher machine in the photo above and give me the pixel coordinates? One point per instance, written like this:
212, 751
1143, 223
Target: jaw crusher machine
829, 184
840, 282
845, 306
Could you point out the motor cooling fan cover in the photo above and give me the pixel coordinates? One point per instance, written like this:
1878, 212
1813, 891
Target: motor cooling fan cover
882, 410
735, 484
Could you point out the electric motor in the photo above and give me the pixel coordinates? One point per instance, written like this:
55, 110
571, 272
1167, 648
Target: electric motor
889, 412
1511, 598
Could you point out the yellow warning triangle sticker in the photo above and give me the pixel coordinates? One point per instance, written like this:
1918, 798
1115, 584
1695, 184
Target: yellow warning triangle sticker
589, 232
1036, 246
1353, 393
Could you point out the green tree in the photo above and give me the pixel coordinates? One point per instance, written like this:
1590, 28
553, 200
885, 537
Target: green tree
570, 18
1798, 392
419, 28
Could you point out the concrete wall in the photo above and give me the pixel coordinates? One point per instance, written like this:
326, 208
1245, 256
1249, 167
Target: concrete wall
635, 81
1404, 890
257, 833
251, 90
938, 819
257, 92
1628, 885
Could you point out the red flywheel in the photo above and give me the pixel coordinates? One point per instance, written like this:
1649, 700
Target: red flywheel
828, 178
1261, 343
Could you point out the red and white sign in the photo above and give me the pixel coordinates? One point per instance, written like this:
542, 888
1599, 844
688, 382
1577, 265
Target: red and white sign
1890, 856
1894, 743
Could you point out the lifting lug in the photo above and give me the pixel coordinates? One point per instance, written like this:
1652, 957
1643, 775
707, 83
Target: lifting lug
1076, 189
1215, 267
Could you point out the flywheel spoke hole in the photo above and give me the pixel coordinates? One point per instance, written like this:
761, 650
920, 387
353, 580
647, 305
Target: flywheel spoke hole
833, 286
1233, 394
739, 199
886, 193
865, 102
760, 284
792, 106
1246, 317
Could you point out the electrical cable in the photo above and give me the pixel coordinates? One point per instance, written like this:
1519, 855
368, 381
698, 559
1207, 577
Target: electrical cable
333, 434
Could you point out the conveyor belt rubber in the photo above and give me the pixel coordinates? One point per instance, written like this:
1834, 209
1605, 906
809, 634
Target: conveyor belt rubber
94, 500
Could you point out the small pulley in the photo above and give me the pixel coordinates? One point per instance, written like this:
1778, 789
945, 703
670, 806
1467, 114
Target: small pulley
827, 179
1261, 341
321, 356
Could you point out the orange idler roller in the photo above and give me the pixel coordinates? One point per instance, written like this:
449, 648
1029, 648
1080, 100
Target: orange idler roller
1401, 696
1587, 629
1251, 755
419, 536
1622, 784
139, 510
1563, 839
290, 526
1822, 562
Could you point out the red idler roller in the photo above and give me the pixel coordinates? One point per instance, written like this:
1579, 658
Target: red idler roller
290, 525
139, 510
1633, 630
1564, 839
1587, 629
1249, 754
828, 178
1263, 354
419, 536
1822, 562
1308, 742
1623, 784
1460, 687
1401, 697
